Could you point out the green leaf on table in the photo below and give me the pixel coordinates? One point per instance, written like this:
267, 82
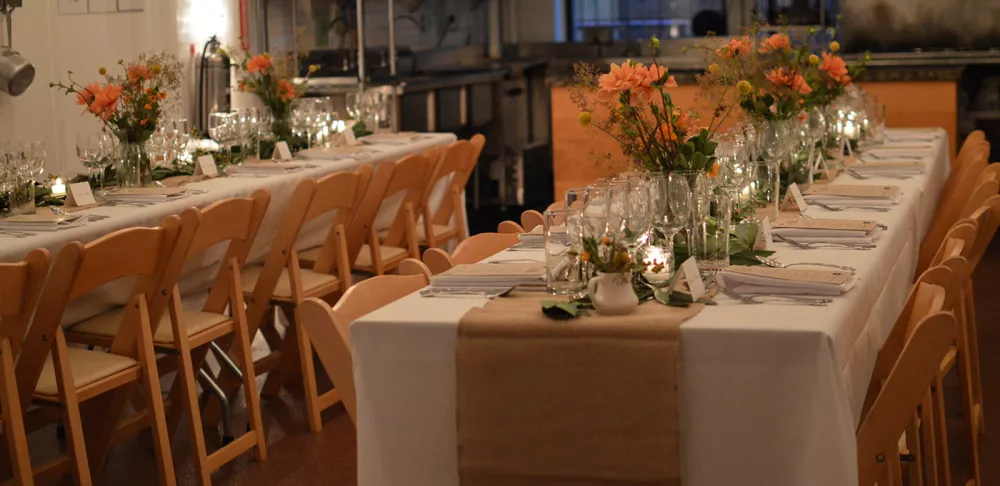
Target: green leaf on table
562, 310
679, 299
746, 257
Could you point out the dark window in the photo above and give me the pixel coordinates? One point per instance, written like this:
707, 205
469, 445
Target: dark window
624, 20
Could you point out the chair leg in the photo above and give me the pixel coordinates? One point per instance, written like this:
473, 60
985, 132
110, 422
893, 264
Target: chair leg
977, 383
13, 420
914, 445
245, 362
151, 384
940, 432
289, 350
308, 377
965, 388
76, 448
928, 451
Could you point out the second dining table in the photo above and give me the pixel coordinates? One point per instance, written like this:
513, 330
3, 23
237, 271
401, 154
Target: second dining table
199, 273
768, 394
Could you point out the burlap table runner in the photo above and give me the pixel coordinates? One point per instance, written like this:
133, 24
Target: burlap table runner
590, 401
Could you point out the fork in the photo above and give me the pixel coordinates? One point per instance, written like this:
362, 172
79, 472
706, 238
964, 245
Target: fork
842, 208
890, 157
776, 264
857, 175
489, 293
813, 246
789, 299
90, 217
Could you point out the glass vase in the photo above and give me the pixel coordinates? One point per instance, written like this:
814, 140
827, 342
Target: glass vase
134, 166
21, 197
711, 218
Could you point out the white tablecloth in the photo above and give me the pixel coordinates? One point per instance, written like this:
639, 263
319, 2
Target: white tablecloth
198, 274
770, 394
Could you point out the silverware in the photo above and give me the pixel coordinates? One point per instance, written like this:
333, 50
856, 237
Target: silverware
486, 292
827, 207
857, 175
910, 139
890, 157
511, 260
788, 299
812, 246
16, 234
776, 264
90, 217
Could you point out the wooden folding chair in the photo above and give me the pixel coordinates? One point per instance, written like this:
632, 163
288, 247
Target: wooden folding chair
401, 198
328, 327
307, 257
281, 282
962, 178
902, 391
50, 373
530, 219
975, 195
509, 227
188, 334
412, 266
972, 147
443, 218
935, 290
20, 286
473, 250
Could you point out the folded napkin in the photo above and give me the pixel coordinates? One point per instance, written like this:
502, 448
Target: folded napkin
596, 397
536, 235
785, 281
846, 231
42, 220
265, 167
335, 153
853, 195
871, 166
492, 275
148, 194
399, 138
177, 181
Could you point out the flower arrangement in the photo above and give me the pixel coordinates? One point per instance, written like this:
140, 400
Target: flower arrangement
130, 104
270, 78
608, 256
774, 79
651, 129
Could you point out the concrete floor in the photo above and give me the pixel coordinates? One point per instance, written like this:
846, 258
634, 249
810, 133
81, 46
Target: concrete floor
297, 457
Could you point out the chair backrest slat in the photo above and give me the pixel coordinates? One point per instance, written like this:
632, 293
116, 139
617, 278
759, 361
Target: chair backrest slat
408, 179
455, 162
367, 209
335, 192
328, 328
482, 246
20, 286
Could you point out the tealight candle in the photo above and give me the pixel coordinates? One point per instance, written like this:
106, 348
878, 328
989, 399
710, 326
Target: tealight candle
652, 259
58, 188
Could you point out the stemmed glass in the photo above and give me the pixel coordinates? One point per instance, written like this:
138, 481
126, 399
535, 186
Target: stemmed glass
220, 129
304, 119
679, 203
181, 138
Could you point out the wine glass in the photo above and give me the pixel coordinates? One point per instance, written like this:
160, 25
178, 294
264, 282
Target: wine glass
219, 128
182, 138
679, 203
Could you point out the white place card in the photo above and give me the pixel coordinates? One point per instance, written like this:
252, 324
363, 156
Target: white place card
281, 151
800, 201
689, 272
205, 165
79, 194
349, 132
765, 237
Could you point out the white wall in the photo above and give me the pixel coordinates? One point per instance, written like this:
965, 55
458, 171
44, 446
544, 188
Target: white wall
82, 43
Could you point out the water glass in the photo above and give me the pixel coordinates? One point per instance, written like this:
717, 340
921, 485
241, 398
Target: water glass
766, 189
574, 198
711, 228
564, 272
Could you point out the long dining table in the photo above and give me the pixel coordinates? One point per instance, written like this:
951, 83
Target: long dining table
198, 273
769, 394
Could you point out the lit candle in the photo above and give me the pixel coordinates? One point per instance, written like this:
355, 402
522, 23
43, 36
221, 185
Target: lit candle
652, 259
58, 188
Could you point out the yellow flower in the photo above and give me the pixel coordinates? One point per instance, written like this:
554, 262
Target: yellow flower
712, 68
744, 87
813, 59
103, 71
156, 69
834, 46
585, 119
266, 55
654, 42
313, 68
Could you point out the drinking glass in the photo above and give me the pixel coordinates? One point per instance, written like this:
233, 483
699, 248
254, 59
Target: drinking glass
766, 189
574, 198
20, 184
711, 228
159, 147
88, 150
595, 207
564, 273
220, 129
182, 138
